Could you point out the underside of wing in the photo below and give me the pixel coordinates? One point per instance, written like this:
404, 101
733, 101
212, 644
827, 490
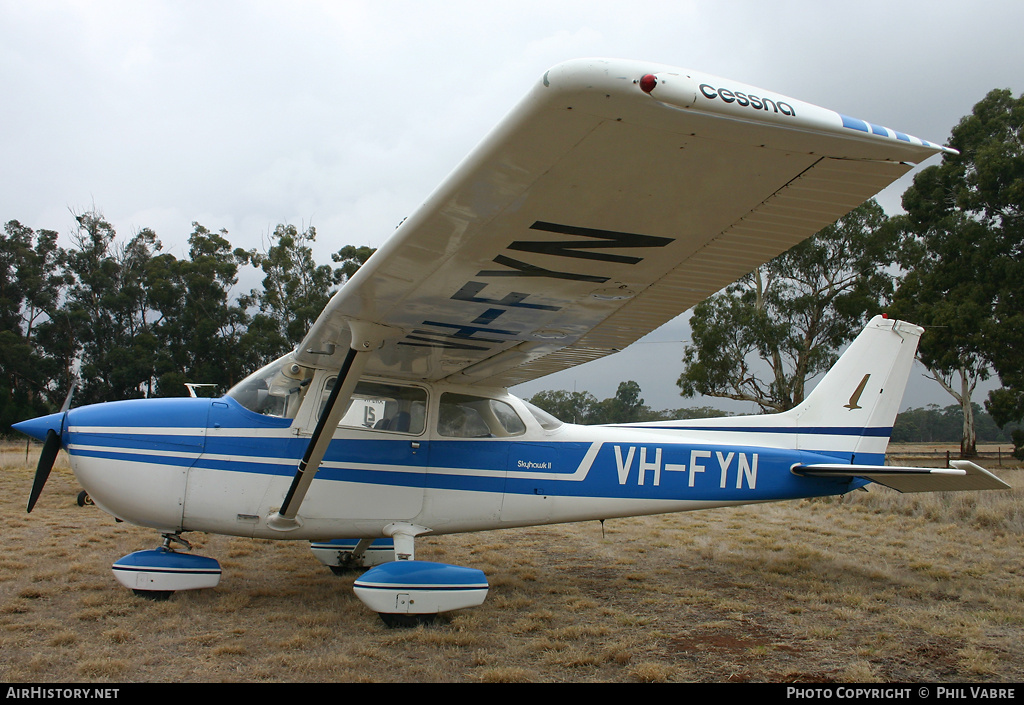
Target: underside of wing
613, 198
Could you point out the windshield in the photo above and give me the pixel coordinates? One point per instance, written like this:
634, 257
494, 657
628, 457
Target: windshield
275, 390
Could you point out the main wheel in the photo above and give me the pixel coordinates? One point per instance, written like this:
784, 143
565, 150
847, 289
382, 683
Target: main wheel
406, 621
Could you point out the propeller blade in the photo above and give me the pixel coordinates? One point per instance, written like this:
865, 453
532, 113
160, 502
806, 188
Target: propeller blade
67, 400
46, 460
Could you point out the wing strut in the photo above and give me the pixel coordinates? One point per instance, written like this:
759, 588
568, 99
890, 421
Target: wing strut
356, 357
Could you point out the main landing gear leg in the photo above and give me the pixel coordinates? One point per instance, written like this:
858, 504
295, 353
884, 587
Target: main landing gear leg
344, 556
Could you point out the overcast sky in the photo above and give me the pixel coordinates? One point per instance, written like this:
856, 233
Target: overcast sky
345, 115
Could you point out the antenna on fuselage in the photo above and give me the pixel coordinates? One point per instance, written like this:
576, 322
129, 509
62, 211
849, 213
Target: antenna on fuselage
193, 386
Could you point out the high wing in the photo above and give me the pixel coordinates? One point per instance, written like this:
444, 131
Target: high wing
615, 196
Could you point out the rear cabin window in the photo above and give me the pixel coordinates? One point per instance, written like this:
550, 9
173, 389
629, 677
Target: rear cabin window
546, 420
466, 416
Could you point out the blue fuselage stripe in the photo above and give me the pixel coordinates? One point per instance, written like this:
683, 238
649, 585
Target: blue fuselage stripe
643, 470
645, 467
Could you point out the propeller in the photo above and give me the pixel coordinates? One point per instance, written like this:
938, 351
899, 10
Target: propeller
51, 447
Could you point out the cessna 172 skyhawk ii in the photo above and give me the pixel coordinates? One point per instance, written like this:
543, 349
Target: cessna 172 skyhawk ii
615, 196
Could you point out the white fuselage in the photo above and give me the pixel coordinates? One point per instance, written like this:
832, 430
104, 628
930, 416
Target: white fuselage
215, 466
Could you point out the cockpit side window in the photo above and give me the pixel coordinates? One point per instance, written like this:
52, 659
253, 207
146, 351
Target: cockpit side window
383, 407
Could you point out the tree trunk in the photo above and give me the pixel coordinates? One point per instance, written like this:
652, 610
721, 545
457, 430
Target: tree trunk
968, 381
969, 439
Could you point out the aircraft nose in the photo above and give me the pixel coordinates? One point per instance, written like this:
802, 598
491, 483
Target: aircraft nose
37, 427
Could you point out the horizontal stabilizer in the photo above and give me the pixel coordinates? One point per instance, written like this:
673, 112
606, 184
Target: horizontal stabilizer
964, 475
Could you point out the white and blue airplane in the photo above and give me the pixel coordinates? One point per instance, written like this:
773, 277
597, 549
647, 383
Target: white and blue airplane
615, 196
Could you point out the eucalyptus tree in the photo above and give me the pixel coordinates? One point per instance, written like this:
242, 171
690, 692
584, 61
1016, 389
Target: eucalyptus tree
965, 228
351, 258
108, 310
761, 339
295, 288
572, 407
295, 291
31, 286
199, 321
949, 292
627, 406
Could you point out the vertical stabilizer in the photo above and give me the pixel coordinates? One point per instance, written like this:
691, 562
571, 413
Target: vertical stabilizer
859, 397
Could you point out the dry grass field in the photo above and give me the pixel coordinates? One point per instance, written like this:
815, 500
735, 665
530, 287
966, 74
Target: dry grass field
867, 588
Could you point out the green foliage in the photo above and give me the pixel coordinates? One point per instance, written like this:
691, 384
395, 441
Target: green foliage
107, 309
19, 393
931, 424
130, 320
1005, 406
295, 289
572, 407
31, 280
199, 323
625, 407
351, 258
761, 338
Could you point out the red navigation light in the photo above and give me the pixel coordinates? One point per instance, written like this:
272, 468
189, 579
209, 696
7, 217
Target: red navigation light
648, 82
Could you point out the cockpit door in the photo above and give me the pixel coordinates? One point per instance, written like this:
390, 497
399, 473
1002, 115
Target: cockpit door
375, 466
